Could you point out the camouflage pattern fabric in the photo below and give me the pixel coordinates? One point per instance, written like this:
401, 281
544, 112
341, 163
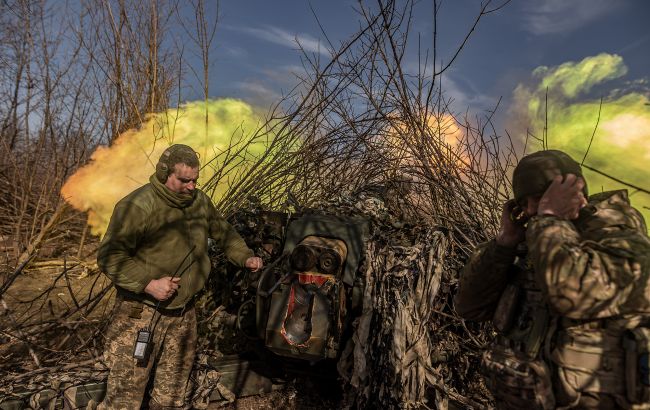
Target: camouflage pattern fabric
518, 382
596, 266
170, 358
594, 275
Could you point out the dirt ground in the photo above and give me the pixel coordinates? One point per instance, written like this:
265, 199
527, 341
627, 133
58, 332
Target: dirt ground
49, 291
39, 298
303, 397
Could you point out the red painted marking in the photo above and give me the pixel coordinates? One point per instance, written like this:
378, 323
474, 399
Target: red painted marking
305, 278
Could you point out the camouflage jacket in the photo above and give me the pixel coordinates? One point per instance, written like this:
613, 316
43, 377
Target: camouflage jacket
595, 267
155, 233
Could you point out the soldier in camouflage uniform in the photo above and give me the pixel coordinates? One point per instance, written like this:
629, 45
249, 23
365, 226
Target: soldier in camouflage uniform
155, 252
567, 288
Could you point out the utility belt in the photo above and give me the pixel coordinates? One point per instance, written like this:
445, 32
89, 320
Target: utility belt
137, 306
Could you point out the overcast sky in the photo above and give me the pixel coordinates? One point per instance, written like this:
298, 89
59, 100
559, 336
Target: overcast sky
255, 50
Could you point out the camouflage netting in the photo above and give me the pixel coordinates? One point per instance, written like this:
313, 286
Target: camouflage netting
408, 345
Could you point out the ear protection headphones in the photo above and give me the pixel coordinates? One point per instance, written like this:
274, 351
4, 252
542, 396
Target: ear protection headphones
162, 167
175, 154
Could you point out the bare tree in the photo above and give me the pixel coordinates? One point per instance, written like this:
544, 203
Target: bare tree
134, 65
202, 33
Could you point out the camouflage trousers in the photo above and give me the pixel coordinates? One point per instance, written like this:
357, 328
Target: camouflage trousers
170, 359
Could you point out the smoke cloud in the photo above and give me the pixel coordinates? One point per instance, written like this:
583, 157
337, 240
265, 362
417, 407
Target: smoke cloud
115, 171
621, 142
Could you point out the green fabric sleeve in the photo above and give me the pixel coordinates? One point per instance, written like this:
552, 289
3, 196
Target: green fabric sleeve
115, 255
482, 281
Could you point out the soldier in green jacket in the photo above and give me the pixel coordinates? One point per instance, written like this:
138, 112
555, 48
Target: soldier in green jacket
156, 253
566, 283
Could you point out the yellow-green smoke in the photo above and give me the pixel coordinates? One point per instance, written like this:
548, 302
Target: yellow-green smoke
621, 143
115, 171
574, 78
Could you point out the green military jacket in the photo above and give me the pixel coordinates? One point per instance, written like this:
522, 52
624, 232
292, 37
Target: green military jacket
597, 266
155, 232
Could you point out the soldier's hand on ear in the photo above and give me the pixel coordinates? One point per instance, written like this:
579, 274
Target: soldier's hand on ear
563, 198
163, 288
510, 233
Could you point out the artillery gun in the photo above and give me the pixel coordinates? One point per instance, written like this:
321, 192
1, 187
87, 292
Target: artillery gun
306, 299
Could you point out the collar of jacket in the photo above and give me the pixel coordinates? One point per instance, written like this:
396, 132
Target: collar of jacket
611, 208
174, 199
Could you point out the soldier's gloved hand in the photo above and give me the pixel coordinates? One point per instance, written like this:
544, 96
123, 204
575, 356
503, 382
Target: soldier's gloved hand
510, 233
254, 263
563, 198
163, 288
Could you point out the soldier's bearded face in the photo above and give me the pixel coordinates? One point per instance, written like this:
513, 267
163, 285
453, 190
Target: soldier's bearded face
183, 179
